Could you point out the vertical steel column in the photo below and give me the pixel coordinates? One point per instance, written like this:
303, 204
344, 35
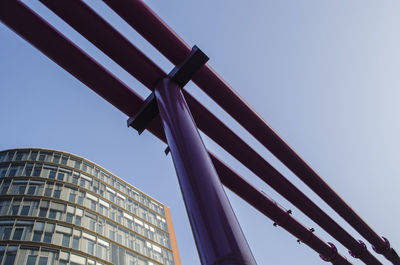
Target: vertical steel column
218, 236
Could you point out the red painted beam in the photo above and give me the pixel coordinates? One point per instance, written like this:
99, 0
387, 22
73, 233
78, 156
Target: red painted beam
100, 33
45, 38
162, 37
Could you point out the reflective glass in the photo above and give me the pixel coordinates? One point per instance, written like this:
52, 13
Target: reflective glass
31, 260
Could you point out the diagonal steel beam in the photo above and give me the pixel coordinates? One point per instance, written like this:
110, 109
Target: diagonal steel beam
45, 38
157, 32
100, 33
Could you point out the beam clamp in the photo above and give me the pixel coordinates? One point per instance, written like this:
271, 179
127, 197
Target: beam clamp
181, 75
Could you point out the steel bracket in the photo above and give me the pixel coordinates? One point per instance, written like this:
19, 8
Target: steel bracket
181, 75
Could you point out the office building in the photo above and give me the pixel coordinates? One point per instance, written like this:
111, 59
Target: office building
57, 208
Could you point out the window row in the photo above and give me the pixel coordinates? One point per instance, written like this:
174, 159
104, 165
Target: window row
18, 169
92, 222
72, 194
61, 235
33, 255
77, 163
76, 178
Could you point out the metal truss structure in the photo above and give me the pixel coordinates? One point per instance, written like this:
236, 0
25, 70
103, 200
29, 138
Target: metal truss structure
174, 116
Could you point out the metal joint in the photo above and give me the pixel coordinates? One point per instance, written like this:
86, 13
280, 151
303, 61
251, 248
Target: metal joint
333, 255
386, 248
363, 250
183, 72
181, 75
147, 112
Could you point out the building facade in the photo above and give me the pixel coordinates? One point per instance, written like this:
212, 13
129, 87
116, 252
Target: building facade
57, 208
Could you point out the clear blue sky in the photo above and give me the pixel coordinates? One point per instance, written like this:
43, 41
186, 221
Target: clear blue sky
323, 74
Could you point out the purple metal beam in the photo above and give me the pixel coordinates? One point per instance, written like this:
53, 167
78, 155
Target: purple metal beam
272, 210
157, 32
217, 233
40, 34
101, 34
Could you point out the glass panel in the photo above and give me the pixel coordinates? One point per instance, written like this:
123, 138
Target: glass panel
38, 231
15, 207
10, 156
33, 155
3, 170
65, 240
4, 205
56, 158
10, 255
37, 169
42, 261
2, 156
18, 234
22, 155
31, 260
64, 160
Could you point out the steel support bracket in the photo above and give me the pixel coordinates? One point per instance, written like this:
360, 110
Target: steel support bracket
147, 112
183, 72
181, 75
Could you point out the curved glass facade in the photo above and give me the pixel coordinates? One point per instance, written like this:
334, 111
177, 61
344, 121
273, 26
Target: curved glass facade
58, 208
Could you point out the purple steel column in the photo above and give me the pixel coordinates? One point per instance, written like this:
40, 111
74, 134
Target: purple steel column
163, 38
218, 236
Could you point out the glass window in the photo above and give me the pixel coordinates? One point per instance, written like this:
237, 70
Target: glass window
10, 256
75, 179
29, 207
22, 155
10, 155
2, 156
77, 163
38, 231
44, 206
43, 261
57, 191
31, 189
15, 170
4, 187
25, 210
90, 247
65, 240
63, 235
78, 220
49, 188
18, 187
28, 170
52, 214
75, 242
37, 170
4, 205
64, 160
69, 217
15, 207
33, 155
60, 176
18, 233
5, 229
31, 260
47, 237
3, 170
56, 158
25, 232
45, 156
48, 233
52, 174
